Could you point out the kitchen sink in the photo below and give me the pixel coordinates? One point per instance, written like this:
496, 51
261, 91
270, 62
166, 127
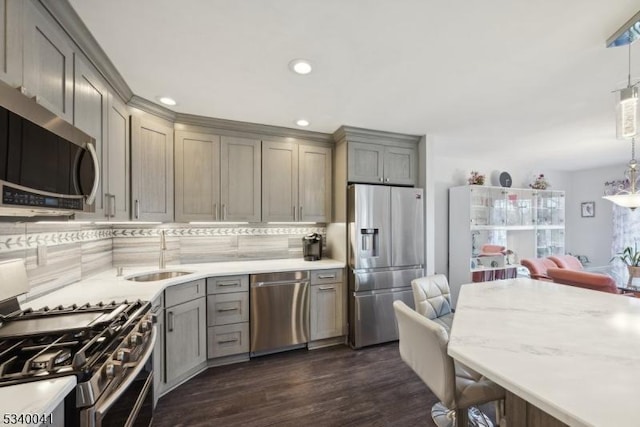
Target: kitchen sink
157, 275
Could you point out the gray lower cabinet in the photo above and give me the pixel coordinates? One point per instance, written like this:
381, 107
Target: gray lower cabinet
382, 164
47, 62
90, 98
157, 306
185, 331
296, 182
227, 316
327, 304
217, 178
11, 42
151, 168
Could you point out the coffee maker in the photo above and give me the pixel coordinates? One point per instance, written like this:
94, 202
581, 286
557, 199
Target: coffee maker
312, 247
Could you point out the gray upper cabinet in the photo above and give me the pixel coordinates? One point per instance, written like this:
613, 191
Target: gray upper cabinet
90, 115
48, 63
217, 178
117, 161
240, 177
400, 165
374, 157
366, 163
296, 182
197, 181
279, 181
382, 164
11, 41
151, 169
314, 191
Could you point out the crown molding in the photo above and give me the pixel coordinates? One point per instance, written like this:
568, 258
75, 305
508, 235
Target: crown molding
255, 128
355, 134
63, 12
152, 108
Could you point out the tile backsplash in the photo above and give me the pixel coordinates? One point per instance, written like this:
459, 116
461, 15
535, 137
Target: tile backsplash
62, 253
196, 244
57, 254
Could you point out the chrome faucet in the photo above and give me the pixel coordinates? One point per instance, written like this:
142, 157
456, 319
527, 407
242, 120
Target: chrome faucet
163, 248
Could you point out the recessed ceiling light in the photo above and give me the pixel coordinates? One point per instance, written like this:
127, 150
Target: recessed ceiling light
167, 101
302, 122
300, 66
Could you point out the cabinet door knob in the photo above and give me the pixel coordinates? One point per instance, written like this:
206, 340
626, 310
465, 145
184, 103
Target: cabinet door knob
386, 180
381, 179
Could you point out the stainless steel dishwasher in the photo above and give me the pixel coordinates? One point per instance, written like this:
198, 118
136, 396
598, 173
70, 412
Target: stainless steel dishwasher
279, 311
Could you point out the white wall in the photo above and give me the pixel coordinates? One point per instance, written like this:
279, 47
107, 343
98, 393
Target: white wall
591, 236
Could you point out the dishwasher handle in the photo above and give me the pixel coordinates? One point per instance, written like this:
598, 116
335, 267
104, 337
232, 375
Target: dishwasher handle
284, 283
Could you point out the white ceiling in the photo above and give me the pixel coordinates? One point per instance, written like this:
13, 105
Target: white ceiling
523, 78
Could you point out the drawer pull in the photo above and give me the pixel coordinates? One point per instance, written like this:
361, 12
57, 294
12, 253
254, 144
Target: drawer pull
329, 288
229, 284
326, 276
221, 310
228, 341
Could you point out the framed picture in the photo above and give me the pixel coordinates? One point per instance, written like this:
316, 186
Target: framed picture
588, 209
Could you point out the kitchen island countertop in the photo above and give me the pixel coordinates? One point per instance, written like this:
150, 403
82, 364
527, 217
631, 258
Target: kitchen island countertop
573, 353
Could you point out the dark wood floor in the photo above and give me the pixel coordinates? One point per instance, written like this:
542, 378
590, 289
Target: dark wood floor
335, 386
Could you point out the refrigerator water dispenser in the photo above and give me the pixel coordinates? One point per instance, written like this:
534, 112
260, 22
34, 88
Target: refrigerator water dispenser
369, 242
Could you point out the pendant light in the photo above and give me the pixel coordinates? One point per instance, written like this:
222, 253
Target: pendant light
628, 110
625, 192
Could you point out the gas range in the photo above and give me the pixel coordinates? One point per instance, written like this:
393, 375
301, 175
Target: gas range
73, 340
105, 345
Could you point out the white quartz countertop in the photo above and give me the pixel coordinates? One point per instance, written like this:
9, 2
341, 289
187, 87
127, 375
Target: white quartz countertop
37, 398
572, 352
106, 286
42, 397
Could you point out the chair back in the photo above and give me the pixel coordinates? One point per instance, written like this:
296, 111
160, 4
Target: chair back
567, 261
432, 295
584, 279
423, 346
538, 267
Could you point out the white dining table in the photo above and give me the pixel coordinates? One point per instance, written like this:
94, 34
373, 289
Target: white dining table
573, 353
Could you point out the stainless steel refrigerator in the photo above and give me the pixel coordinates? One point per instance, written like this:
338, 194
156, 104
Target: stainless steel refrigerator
386, 252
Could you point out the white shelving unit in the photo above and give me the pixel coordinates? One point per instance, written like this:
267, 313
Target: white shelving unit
527, 221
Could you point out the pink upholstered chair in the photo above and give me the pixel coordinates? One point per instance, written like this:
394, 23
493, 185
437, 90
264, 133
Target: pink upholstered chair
583, 279
567, 261
491, 249
538, 267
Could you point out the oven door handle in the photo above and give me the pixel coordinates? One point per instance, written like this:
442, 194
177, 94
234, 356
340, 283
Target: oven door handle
103, 407
96, 168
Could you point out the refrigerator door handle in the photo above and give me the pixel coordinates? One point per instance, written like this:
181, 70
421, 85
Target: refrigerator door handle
365, 240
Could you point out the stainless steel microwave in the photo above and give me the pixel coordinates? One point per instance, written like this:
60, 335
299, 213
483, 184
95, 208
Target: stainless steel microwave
47, 166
